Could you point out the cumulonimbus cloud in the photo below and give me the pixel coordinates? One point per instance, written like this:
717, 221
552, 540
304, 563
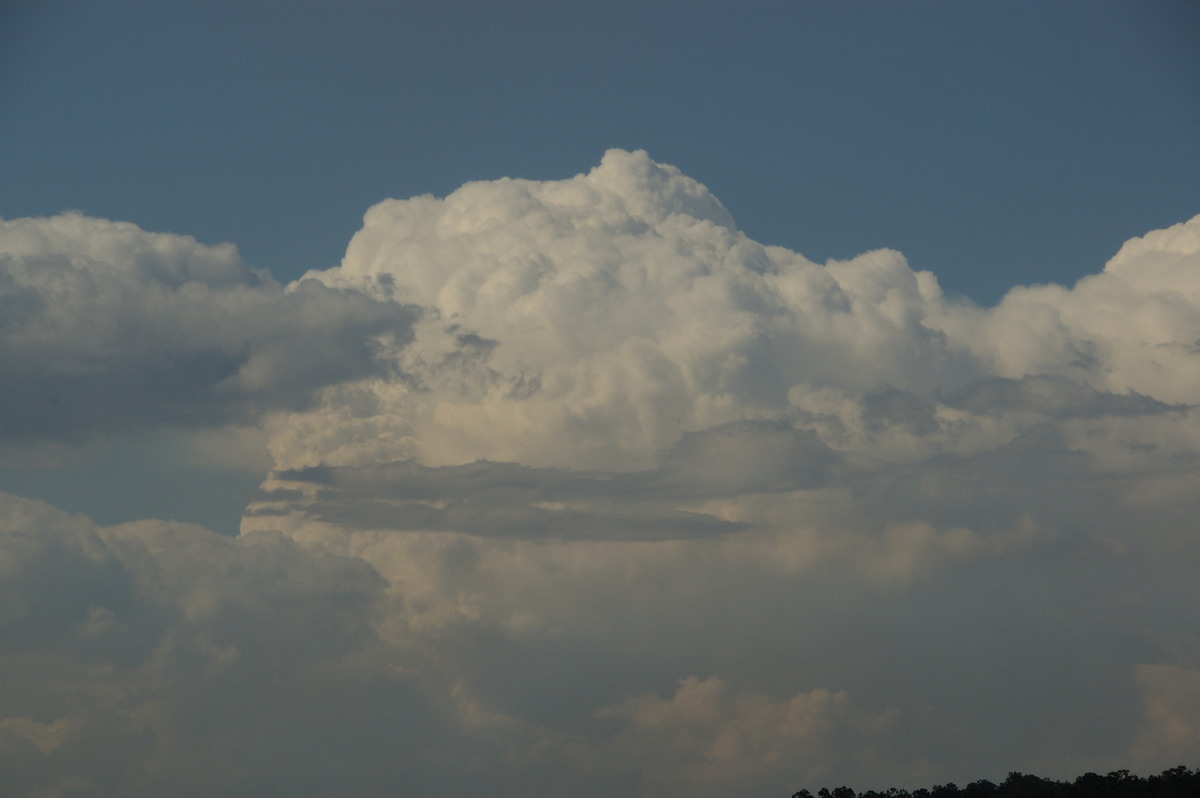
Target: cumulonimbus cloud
627, 365
612, 499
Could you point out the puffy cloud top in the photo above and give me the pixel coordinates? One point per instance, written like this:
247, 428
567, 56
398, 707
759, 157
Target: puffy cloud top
122, 250
1132, 328
591, 322
1161, 259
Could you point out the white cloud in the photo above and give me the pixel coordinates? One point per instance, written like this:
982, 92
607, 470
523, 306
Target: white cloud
591, 322
1132, 328
547, 454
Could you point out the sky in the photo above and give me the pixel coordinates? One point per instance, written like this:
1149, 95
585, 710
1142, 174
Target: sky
620, 399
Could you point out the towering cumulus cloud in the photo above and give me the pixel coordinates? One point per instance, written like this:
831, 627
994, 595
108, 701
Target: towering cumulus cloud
591, 322
578, 490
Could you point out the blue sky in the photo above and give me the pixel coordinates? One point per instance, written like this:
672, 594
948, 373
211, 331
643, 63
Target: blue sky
995, 144
580, 399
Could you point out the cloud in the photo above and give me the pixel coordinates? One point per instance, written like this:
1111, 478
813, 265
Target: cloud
1132, 328
106, 328
162, 658
627, 434
1170, 728
608, 358
706, 740
577, 489
591, 322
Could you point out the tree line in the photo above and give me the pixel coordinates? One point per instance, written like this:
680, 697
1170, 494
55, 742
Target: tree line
1177, 782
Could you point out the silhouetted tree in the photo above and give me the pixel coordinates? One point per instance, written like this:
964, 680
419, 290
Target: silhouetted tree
979, 789
1021, 785
1178, 782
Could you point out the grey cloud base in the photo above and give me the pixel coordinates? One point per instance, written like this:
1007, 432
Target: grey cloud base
163, 659
108, 329
577, 490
